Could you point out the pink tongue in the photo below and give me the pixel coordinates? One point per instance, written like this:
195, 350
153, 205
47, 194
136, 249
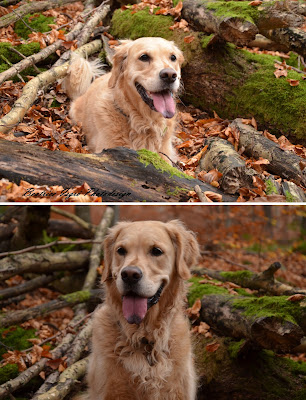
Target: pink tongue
164, 103
134, 308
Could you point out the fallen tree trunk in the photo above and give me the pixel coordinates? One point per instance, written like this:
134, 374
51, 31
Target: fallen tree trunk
30, 8
282, 163
118, 174
228, 315
42, 263
58, 227
221, 155
68, 300
263, 281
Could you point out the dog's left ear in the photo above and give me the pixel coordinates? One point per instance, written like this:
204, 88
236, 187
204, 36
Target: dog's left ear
119, 61
187, 247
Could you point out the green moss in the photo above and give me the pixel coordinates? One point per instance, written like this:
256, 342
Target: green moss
140, 24
234, 9
9, 371
290, 197
176, 192
262, 94
82, 296
205, 40
148, 157
16, 338
38, 22
198, 290
277, 306
234, 347
237, 275
270, 188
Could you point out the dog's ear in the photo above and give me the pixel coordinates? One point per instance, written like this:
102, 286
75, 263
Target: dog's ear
119, 61
186, 246
108, 248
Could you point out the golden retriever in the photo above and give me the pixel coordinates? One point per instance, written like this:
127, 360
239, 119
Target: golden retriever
141, 338
133, 105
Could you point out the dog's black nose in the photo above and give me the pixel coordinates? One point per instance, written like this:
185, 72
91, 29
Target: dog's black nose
168, 75
131, 275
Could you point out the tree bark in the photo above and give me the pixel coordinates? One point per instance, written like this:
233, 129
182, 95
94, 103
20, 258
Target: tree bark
282, 163
115, 174
58, 227
68, 300
42, 263
270, 332
221, 155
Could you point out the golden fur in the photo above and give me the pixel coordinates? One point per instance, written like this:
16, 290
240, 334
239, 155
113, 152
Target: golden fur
151, 360
111, 110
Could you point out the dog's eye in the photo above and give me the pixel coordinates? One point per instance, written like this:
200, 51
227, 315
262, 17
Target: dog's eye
121, 251
144, 57
156, 251
173, 57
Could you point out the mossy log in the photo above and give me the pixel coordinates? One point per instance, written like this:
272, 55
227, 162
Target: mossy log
225, 79
233, 316
31, 8
264, 281
238, 23
282, 163
68, 300
234, 372
228, 28
42, 262
221, 155
118, 174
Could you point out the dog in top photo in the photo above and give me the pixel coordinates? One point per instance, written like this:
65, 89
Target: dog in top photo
141, 347
132, 106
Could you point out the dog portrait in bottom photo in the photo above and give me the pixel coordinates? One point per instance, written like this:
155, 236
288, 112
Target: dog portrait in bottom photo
141, 347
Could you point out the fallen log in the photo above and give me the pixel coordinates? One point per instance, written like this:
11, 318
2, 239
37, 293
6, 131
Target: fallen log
229, 316
263, 281
231, 29
58, 227
68, 300
282, 163
118, 174
42, 263
222, 156
30, 8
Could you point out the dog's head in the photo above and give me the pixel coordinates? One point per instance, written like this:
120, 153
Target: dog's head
152, 69
141, 259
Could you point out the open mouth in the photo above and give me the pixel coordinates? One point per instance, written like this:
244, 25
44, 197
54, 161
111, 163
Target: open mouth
162, 101
135, 307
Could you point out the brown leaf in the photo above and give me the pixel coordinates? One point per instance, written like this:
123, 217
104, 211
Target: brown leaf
195, 309
188, 39
212, 347
293, 82
255, 3
213, 196
280, 72
296, 297
54, 364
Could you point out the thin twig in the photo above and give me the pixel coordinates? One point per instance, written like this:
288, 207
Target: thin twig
27, 25
45, 246
289, 67
74, 217
24, 57
202, 196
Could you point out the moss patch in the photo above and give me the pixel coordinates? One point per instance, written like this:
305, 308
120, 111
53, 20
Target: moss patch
237, 275
239, 9
234, 348
140, 24
290, 197
277, 306
9, 371
15, 338
198, 290
81, 296
205, 40
270, 188
38, 22
147, 157
262, 94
